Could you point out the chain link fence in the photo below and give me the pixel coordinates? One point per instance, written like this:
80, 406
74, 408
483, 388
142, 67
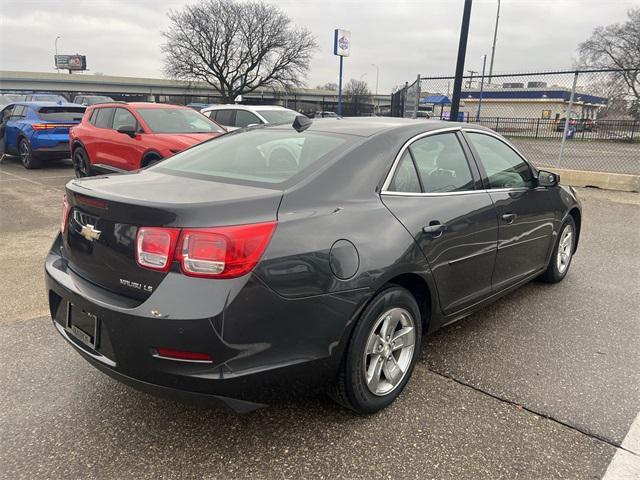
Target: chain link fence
582, 120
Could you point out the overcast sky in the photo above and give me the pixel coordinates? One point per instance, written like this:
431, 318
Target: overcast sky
122, 37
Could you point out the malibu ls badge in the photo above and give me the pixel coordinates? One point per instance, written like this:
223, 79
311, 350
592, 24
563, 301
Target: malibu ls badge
136, 285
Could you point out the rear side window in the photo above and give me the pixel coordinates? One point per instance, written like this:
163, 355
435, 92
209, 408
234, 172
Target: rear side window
225, 117
18, 112
104, 117
441, 164
405, 178
256, 156
65, 114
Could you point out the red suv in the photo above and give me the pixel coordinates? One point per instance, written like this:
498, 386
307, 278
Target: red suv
116, 137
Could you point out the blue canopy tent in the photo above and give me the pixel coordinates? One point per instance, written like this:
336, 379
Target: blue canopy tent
441, 100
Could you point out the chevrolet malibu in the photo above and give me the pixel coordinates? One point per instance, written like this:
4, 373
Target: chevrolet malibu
226, 276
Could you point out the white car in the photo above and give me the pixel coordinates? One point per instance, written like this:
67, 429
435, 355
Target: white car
240, 116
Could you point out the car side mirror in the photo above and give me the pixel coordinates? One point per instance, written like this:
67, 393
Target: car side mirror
548, 179
130, 130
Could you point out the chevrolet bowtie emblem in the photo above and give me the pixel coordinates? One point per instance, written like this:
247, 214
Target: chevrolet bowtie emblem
90, 233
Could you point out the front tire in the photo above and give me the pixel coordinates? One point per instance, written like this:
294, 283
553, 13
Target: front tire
81, 163
562, 252
382, 352
26, 155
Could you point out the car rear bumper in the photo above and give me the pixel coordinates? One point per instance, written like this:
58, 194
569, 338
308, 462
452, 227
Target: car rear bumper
51, 146
263, 347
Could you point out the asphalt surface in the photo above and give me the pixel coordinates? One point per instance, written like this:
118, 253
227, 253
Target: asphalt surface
597, 156
543, 384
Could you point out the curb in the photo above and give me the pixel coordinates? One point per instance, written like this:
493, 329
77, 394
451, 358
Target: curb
609, 181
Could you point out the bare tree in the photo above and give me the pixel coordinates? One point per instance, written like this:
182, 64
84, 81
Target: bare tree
328, 86
357, 93
236, 47
616, 46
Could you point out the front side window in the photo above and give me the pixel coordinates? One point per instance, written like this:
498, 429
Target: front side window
104, 117
255, 156
442, 164
504, 167
244, 119
124, 118
177, 120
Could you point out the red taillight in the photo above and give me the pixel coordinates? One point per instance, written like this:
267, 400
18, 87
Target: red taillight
223, 252
220, 252
65, 213
183, 355
50, 126
155, 247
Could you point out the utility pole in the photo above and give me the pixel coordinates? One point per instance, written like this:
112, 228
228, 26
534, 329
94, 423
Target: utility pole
377, 105
493, 47
462, 51
471, 73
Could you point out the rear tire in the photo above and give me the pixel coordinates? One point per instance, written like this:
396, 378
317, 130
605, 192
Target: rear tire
382, 352
81, 163
29, 161
562, 253
149, 160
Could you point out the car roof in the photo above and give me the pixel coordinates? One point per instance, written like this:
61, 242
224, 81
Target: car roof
256, 108
368, 126
47, 104
137, 105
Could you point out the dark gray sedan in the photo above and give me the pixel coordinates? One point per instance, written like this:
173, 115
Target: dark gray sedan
278, 260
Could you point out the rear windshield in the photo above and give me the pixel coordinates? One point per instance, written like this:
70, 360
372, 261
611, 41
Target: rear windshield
67, 114
94, 100
266, 156
47, 98
177, 120
279, 116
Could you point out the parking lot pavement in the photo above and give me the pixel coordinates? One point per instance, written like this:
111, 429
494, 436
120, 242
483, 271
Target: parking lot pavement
598, 156
543, 384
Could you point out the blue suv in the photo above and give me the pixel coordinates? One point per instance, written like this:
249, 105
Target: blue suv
39, 131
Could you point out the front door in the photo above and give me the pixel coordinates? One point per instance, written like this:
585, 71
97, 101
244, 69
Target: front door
434, 193
126, 151
525, 213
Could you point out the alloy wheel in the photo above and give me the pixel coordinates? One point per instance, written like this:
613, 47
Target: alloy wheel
565, 249
25, 153
389, 351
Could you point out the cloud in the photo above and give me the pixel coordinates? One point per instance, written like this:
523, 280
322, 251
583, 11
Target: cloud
403, 38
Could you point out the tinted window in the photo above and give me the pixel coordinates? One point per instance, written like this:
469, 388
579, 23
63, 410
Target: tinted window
18, 112
270, 157
504, 167
279, 116
225, 117
442, 164
405, 178
122, 118
104, 118
177, 120
63, 114
244, 119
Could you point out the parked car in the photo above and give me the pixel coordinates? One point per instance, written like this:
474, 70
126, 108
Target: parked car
241, 116
116, 137
8, 98
45, 97
323, 114
222, 275
91, 99
39, 131
197, 106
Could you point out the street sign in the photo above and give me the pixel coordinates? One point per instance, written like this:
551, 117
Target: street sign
341, 42
71, 62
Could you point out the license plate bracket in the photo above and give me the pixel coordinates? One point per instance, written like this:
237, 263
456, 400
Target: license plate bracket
83, 325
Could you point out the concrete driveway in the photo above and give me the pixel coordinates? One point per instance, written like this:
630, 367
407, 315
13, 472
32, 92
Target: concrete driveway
544, 384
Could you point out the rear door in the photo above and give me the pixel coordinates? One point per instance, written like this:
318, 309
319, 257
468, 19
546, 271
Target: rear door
103, 135
525, 211
437, 195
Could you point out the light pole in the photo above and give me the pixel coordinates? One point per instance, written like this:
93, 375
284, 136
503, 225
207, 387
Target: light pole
462, 51
56, 45
484, 64
377, 77
493, 47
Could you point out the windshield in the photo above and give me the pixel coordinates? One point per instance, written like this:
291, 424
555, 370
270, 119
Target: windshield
177, 120
279, 116
61, 114
265, 156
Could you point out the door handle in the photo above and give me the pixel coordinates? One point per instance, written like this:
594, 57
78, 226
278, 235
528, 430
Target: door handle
434, 228
509, 217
